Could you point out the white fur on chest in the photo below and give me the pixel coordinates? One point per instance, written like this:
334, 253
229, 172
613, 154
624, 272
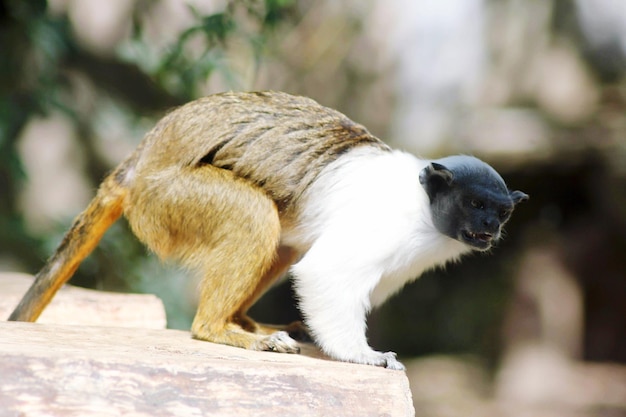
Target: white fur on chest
367, 220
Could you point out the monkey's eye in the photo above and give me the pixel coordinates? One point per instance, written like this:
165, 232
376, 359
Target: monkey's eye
504, 213
477, 204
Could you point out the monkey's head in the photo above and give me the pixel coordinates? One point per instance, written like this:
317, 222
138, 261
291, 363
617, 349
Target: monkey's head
469, 200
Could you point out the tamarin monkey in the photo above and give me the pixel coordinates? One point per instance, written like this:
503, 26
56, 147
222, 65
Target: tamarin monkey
241, 187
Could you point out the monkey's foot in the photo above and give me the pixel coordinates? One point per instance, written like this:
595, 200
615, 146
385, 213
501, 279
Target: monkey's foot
277, 342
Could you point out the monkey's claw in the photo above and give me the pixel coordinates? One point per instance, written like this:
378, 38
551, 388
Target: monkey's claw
278, 342
391, 362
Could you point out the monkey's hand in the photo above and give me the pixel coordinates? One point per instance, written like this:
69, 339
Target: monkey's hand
385, 359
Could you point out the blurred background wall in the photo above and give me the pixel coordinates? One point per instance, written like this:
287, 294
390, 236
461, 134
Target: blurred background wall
537, 88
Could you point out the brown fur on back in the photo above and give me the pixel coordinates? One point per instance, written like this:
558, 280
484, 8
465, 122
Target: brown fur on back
277, 141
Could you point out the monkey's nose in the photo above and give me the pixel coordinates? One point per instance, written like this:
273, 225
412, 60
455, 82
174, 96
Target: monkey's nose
491, 225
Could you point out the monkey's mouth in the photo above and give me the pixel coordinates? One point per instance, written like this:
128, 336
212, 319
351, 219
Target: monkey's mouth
479, 240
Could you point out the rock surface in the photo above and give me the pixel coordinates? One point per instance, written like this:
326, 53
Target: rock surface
79, 370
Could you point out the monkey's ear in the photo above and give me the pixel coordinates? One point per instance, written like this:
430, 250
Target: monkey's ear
518, 196
436, 171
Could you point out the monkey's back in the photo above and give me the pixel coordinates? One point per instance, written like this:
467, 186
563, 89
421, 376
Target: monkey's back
277, 141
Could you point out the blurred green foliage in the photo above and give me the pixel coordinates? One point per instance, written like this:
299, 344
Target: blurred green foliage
40, 52
181, 72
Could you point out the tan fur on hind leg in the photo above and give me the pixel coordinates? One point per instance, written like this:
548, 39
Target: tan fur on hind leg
225, 229
284, 258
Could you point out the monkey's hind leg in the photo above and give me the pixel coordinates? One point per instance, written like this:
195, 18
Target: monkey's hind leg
227, 230
285, 257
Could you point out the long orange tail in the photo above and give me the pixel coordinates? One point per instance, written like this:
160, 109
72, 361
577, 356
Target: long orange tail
79, 241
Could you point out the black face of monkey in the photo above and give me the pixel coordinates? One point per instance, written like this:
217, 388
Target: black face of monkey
469, 200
